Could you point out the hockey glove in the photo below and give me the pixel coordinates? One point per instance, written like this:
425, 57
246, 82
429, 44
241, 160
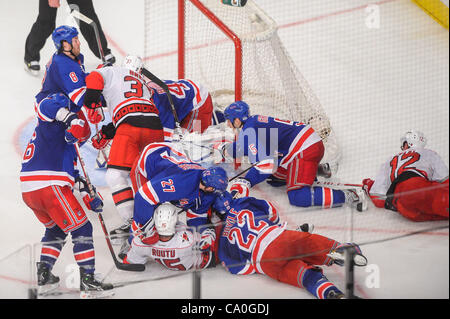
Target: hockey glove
104, 136
95, 116
240, 188
96, 203
207, 240
367, 185
76, 129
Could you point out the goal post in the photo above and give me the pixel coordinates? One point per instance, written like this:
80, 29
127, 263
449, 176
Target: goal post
237, 54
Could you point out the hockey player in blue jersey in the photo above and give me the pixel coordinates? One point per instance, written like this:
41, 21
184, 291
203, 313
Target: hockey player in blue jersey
292, 152
192, 103
65, 72
253, 240
163, 173
48, 178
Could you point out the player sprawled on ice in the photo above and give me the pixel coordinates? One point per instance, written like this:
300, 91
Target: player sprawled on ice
254, 240
413, 182
295, 150
48, 178
165, 174
192, 103
178, 248
135, 123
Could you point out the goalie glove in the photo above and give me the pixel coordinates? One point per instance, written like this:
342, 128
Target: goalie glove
94, 204
240, 188
207, 240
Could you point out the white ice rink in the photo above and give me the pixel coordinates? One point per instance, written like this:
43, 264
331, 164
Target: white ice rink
378, 67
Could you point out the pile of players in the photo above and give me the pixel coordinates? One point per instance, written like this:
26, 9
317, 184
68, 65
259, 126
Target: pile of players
152, 181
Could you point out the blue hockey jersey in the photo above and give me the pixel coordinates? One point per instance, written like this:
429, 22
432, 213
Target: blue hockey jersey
187, 96
48, 159
249, 227
64, 75
171, 177
265, 138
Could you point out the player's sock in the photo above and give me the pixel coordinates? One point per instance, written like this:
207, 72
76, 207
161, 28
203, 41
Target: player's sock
319, 286
316, 196
83, 247
52, 243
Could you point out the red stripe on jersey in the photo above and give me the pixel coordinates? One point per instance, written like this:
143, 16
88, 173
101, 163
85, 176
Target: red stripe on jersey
258, 243
74, 96
36, 178
298, 145
147, 191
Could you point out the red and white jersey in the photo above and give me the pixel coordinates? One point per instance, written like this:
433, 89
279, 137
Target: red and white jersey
126, 94
424, 162
178, 253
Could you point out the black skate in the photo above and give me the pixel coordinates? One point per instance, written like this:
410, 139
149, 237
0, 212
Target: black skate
120, 234
335, 295
91, 288
306, 228
32, 67
324, 170
47, 282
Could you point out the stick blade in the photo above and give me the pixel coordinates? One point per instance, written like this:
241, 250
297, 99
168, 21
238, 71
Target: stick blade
130, 267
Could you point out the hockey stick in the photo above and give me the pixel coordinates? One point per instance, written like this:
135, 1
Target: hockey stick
119, 265
336, 184
81, 17
164, 86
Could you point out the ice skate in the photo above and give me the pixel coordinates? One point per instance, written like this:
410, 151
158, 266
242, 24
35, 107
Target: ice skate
324, 170
32, 67
47, 282
357, 198
91, 288
338, 255
306, 228
124, 250
120, 234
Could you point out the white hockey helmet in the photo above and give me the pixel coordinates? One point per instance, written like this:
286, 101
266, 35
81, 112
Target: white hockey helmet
166, 218
414, 139
133, 63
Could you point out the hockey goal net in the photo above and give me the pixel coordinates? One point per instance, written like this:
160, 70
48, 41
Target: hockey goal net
237, 54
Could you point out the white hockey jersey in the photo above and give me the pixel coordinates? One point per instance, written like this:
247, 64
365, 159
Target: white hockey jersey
179, 253
127, 95
424, 162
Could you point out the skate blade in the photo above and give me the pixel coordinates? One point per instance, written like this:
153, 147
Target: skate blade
96, 294
360, 260
47, 289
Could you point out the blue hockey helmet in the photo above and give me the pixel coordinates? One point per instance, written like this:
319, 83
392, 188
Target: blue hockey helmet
237, 110
63, 33
215, 177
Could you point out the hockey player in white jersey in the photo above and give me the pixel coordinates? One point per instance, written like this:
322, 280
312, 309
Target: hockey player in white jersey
413, 182
135, 124
178, 248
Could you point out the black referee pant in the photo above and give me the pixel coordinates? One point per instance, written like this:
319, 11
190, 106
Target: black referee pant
45, 24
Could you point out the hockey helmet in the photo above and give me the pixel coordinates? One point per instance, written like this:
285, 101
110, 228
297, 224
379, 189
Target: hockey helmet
237, 110
166, 218
222, 204
133, 63
215, 177
414, 139
63, 33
